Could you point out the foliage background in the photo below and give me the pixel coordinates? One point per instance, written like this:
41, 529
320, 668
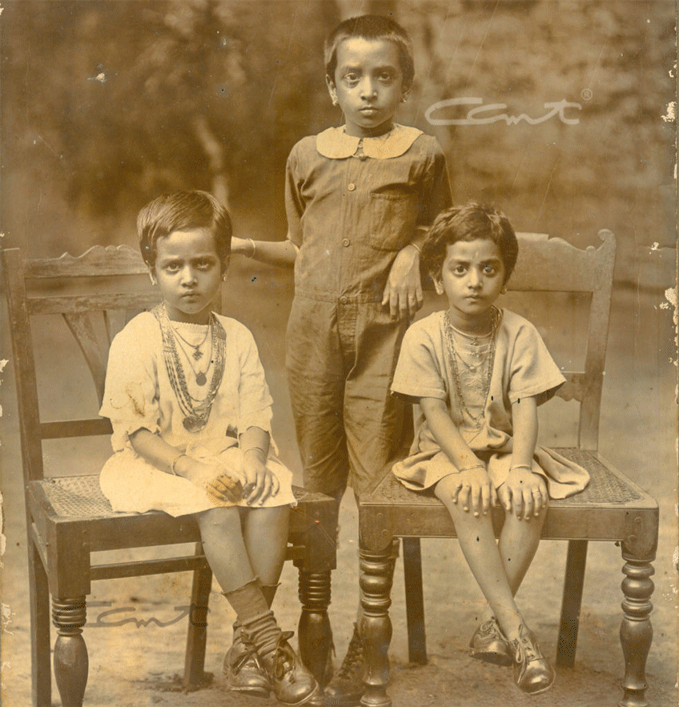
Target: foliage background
109, 102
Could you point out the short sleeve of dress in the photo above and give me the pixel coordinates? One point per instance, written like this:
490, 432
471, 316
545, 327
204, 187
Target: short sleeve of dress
131, 389
419, 372
255, 402
533, 372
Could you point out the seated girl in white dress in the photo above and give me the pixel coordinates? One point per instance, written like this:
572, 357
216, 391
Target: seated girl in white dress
191, 416
478, 374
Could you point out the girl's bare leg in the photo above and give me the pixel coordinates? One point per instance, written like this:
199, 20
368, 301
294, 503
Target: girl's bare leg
265, 533
480, 549
518, 544
222, 536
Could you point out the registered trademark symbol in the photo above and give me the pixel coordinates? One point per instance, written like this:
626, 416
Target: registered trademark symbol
586, 94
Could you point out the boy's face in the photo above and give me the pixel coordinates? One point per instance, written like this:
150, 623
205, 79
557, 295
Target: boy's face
368, 85
188, 273
472, 278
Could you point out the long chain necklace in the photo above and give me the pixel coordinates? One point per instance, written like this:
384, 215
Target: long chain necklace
195, 416
197, 353
201, 376
485, 356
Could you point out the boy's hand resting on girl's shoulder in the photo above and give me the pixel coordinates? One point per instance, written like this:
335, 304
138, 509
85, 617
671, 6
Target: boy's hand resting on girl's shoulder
525, 492
403, 292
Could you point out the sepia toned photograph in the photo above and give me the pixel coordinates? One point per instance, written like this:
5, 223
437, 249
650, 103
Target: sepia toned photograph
338, 353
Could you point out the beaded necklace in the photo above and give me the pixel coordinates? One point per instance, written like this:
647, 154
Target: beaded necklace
195, 416
484, 356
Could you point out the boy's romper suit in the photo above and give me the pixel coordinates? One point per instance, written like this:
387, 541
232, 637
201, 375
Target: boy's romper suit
352, 203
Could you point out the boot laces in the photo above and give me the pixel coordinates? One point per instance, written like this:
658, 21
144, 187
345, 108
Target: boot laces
284, 657
353, 660
527, 649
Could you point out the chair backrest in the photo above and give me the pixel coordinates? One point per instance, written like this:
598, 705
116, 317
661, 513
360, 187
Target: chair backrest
553, 265
107, 284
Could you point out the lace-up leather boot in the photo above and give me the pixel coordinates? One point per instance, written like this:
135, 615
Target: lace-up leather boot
243, 669
346, 688
292, 683
532, 672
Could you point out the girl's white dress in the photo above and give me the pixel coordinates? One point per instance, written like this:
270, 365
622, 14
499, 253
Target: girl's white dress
138, 394
522, 367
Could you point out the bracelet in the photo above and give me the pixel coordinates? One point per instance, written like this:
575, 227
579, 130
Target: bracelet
521, 466
469, 468
252, 449
417, 247
173, 466
254, 249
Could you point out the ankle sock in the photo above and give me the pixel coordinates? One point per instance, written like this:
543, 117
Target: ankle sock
255, 616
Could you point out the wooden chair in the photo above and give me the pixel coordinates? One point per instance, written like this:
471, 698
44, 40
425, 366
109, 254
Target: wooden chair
612, 508
68, 518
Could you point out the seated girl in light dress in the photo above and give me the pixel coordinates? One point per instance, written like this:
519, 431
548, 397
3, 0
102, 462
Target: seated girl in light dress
191, 416
478, 373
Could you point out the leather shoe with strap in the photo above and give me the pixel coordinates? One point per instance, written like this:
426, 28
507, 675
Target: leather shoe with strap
490, 645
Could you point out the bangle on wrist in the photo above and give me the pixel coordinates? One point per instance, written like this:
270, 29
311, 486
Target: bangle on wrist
252, 449
173, 466
254, 249
475, 466
521, 466
417, 247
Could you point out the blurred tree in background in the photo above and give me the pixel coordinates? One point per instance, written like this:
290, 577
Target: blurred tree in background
108, 103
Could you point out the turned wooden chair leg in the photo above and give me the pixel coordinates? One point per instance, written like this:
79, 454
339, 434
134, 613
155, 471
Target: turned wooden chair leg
314, 632
412, 568
376, 577
70, 652
636, 631
40, 631
194, 662
571, 603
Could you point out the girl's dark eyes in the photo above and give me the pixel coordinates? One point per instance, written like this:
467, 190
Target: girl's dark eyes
199, 265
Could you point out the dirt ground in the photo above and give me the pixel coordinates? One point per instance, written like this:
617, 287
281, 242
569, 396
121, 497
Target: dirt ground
135, 664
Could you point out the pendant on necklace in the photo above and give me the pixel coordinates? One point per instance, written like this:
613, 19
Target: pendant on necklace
198, 354
200, 378
193, 424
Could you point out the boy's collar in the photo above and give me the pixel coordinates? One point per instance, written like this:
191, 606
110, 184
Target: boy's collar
336, 144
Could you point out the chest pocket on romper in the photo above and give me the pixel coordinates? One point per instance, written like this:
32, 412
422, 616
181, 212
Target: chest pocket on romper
392, 219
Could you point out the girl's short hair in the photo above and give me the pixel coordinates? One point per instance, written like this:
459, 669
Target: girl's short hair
183, 211
469, 223
371, 27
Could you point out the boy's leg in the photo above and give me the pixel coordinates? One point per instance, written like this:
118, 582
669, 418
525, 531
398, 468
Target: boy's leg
373, 417
316, 375
374, 425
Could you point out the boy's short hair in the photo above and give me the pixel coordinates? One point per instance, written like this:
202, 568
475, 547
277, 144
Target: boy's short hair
468, 223
371, 27
183, 211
